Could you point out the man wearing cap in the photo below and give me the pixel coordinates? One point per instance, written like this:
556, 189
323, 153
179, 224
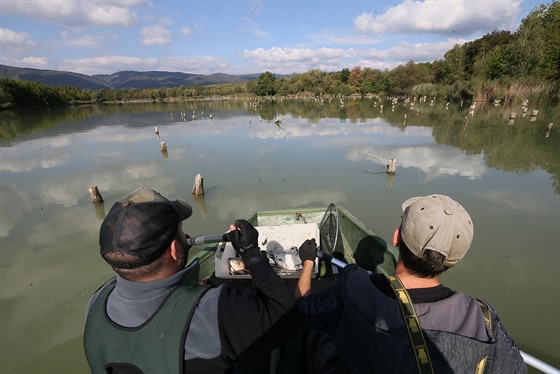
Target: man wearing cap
363, 320
154, 317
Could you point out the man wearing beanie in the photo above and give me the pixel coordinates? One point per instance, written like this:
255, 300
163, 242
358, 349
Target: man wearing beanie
154, 317
363, 315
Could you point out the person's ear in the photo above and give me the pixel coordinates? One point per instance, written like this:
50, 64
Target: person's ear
396, 237
174, 250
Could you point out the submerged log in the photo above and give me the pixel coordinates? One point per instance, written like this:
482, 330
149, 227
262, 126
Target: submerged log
198, 186
95, 195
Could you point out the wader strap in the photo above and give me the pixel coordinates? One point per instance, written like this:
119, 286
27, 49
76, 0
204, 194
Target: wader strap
488, 318
412, 326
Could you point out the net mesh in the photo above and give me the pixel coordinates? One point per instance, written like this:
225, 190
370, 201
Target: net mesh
330, 237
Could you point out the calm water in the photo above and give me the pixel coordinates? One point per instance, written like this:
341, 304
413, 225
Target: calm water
507, 176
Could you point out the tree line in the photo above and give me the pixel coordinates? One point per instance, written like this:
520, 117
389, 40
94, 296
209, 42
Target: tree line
501, 65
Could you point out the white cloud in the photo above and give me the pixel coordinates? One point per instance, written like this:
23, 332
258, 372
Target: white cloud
197, 64
406, 52
287, 60
14, 41
461, 17
253, 28
36, 62
111, 15
186, 31
77, 12
255, 6
104, 64
155, 35
343, 38
74, 40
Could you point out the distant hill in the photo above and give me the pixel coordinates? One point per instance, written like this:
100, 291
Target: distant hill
121, 79
53, 77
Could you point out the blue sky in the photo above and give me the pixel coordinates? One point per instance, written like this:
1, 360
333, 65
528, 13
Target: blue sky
241, 37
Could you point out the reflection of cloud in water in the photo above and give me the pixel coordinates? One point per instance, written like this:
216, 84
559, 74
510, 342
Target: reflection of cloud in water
434, 160
248, 204
333, 127
22, 165
15, 201
502, 200
115, 134
144, 170
68, 190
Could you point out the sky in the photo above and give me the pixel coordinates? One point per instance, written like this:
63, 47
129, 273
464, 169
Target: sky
243, 37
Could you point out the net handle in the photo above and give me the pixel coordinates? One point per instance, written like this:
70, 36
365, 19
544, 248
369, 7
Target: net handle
330, 213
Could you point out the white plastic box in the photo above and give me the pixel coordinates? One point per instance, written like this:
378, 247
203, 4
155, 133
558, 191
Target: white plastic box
280, 241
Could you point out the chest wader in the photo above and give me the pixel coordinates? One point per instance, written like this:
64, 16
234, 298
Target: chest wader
156, 346
415, 331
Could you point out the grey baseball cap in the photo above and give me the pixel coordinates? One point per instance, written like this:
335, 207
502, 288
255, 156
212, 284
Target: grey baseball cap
439, 223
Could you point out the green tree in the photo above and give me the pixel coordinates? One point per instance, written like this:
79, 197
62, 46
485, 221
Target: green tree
265, 84
453, 65
404, 77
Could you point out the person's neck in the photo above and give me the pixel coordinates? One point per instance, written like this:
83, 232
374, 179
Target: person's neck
413, 281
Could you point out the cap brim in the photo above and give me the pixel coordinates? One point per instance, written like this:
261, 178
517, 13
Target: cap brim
411, 201
183, 208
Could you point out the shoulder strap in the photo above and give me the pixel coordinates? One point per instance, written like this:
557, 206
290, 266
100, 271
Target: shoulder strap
412, 325
485, 312
488, 319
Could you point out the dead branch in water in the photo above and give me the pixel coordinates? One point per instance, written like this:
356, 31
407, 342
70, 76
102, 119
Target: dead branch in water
377, 157
391, 165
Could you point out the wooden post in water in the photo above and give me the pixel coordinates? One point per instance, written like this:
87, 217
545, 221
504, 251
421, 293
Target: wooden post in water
95, 195
534, 114
198, 186
163, 149
549, 129
392, 166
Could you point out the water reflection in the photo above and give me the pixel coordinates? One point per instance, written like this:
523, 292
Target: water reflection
507, 176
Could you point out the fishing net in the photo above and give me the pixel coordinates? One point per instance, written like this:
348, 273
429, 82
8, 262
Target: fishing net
329, 231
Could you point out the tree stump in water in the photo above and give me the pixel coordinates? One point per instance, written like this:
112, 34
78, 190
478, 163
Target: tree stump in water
392, 166
198, 186
95, 195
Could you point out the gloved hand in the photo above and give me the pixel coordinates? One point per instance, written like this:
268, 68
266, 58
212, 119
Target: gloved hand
308, 250
244, 241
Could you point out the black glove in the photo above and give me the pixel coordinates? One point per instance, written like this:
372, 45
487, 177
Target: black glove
308, 250
244, 241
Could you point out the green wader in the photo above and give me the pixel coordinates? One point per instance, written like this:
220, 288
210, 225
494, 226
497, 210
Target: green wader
157, 346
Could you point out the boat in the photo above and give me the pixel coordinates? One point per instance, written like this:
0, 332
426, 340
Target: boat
356, 244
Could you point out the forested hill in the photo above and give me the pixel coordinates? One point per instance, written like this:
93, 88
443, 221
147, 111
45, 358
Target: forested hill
120, 80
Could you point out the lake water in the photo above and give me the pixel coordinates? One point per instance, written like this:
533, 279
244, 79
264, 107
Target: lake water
506, 175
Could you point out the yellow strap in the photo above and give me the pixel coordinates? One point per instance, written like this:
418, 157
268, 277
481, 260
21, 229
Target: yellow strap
412, 326
480, 367
488, 318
